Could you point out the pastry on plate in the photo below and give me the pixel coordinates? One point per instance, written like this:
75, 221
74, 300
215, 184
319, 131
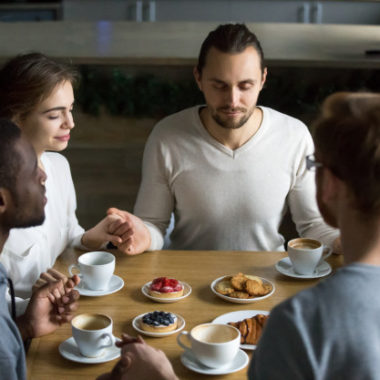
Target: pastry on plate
243, 286
163, 287
251, 328
159, 321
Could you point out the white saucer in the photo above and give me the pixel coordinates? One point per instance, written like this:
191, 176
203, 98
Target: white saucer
189, 361
69, 350
136, 325
242, 300
236, 316
285, 267
186, 293
115, 284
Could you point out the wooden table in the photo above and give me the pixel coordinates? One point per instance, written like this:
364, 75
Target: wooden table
198, 268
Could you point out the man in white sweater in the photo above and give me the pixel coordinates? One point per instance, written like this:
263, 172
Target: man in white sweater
227, 170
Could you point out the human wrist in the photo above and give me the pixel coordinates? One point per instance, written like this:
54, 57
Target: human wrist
25, 327
90, 241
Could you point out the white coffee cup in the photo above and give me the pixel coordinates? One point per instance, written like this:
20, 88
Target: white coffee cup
92, 333
214, 345
96, 269
306, 254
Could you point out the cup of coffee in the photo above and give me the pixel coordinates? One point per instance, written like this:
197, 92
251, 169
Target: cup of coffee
92, 333
214, 345
306, 254
95, 269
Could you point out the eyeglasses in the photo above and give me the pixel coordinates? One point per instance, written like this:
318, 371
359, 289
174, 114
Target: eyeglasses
312, 164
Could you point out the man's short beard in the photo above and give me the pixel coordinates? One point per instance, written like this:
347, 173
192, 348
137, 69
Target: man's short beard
22, 220
32, 222
235, 125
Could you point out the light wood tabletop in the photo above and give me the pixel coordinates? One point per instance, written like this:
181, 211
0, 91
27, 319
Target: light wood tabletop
197, 268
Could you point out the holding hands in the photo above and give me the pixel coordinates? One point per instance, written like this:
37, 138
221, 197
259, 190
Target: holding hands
135, 237
111, 228
50, 306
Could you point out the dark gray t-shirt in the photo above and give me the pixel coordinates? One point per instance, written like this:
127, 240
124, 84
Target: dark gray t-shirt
12, 355
330, 331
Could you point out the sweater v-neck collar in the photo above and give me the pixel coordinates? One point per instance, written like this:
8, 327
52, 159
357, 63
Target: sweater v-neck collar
230, 152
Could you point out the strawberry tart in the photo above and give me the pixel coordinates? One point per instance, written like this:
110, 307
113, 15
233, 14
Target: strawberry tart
163, 287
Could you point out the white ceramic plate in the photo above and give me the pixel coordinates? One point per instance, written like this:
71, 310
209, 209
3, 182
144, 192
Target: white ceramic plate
137, 320
115, 284
189, 361
285, 267
241, 300
69, 350
237, 316
186, 293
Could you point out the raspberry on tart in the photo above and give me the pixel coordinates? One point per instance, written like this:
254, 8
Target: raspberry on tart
163, 287
159, 321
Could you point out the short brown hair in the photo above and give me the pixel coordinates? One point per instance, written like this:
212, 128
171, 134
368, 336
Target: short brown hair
347, 140
229, 38
28, 79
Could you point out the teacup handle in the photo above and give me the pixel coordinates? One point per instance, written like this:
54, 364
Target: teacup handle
180, 342
108, 337
328, 251
71, 267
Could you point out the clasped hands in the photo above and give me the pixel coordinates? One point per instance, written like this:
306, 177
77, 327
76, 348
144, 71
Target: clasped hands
124, 230
53, 302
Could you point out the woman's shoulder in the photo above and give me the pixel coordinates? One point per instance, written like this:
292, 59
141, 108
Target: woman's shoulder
56, 160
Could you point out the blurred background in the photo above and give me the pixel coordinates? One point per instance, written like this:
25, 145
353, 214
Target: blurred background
117, 104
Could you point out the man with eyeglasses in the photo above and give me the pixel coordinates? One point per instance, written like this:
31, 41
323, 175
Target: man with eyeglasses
331, 331
229, 169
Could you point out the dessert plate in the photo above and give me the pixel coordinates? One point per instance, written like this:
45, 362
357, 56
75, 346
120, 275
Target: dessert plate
186, 293
189, 361
137, 326
69, 350
237, 316
285, 267
241, 300
115, 284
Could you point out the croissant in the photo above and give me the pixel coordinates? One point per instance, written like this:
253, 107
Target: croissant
250, 328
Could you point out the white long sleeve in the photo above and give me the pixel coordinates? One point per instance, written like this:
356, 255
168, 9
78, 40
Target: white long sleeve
228, 199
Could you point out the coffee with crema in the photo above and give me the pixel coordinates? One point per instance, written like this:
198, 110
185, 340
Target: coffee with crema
303, 243
214, 334
91, 322
305, 246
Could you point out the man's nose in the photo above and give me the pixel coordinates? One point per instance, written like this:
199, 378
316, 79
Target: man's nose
233, 96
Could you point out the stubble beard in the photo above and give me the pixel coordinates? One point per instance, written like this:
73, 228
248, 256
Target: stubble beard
23, 217
232, 124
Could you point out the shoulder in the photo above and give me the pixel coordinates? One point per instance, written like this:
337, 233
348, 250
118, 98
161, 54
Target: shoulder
55, 160
179, 121
284, 123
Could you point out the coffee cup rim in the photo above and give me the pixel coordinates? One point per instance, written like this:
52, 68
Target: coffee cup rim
215, 324
305, 240
92, 315
104, 253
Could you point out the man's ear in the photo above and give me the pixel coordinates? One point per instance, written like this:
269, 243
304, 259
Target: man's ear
5, 199
264, 77
197, 77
